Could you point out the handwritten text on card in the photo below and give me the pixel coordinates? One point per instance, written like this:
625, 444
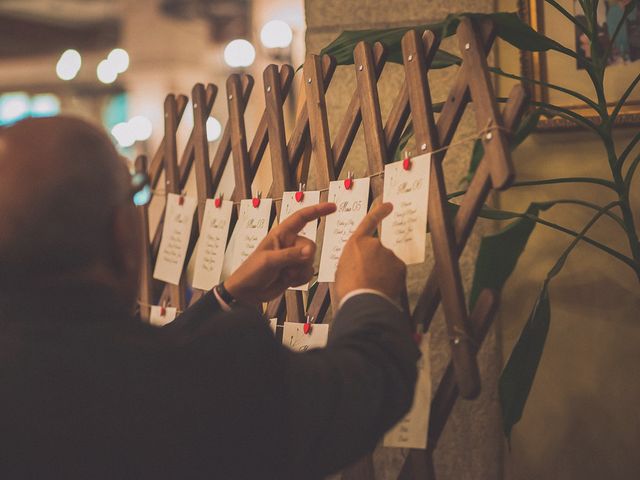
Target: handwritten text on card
293, 336
405, 230
411, 431
175, 238
291, 205
352, 208
252, 227
211, 244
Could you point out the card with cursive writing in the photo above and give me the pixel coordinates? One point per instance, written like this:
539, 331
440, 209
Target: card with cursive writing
175, 238
293, 336
252, 227
291, 203
411, 431
160, 317
211, 244
405, 230
352, 207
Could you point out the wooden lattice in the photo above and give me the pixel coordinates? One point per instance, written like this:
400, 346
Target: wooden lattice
310, 144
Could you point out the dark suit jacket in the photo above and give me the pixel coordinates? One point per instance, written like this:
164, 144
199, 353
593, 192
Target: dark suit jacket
88, 393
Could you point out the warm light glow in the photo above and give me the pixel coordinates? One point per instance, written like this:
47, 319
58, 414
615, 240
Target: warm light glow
106, 72
45, 105
119, 60
69, 65
14, 107
123, 134
239, 53
140, 127
214, 129
276, 34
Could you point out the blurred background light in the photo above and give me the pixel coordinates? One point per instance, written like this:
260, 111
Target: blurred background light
45, 105
276, 34
123, 134
13, 107
239, 53
69, 65
106, 72
119, 60
140, 127
214, 129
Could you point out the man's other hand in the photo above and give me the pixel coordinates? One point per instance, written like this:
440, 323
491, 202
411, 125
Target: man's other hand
283, 259
366, 264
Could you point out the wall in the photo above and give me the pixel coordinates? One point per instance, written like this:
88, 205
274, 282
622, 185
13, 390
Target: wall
471, 446
581, 419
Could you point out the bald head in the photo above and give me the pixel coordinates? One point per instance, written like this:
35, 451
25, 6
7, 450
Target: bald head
60, 181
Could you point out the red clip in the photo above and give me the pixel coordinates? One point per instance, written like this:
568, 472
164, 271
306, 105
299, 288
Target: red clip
348, 182
163, 308
218, 201
181, 200
256, 200
306, 328
300, 193
406, 163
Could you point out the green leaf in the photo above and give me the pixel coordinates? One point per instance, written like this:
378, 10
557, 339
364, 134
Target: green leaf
402, 143
509, 27
517, 377
499, 253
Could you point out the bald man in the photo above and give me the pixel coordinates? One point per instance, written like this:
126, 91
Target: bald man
86, 391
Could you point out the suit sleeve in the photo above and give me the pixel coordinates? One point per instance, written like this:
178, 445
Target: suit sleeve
343, 398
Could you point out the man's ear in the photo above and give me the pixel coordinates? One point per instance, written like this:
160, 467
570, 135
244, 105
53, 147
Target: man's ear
126, 245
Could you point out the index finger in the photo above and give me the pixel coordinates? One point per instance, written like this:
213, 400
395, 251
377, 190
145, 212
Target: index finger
296, 221
370, 222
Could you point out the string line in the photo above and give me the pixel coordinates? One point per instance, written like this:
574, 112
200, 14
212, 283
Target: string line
471, 138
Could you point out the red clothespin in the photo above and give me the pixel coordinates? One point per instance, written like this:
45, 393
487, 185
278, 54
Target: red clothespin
163, 308
218, 201
256, 200
308, 325
300, 192
348, 182
406, 163
181, 200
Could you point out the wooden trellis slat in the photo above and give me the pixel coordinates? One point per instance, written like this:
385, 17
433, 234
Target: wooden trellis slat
145, 295
442, 236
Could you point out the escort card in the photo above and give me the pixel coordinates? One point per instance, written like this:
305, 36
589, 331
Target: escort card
212, 243
411, 431
291, 203
294, 338
175, 238
352, 207
252, 227
405, 230
160, 318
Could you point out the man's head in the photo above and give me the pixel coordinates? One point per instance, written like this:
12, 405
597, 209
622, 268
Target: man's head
65, 209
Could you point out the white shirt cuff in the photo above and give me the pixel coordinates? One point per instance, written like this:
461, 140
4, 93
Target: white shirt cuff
223, 305
362, 291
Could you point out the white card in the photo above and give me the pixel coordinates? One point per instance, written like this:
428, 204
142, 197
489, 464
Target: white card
294, 338
411, 431
211, 244
273, 324
252, 227
157, 318
291, 205
352, 208
405, 230
175, 238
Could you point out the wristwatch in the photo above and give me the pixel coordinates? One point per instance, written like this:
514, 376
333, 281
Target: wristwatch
224, 296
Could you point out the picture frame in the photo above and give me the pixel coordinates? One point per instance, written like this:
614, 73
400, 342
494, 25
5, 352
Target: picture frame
553, 67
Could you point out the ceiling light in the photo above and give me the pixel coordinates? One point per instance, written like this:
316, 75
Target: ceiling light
239, 53
276, 34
